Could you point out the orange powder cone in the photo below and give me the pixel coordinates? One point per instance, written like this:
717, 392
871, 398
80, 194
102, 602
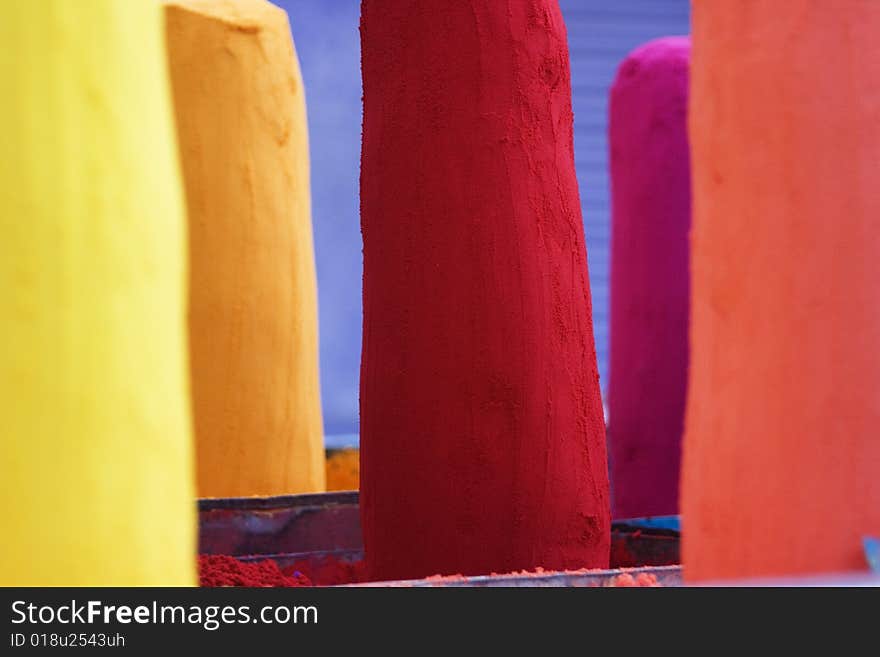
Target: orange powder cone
782, 451
253, 306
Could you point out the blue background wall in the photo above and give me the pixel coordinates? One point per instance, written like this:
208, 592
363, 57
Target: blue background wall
600, 34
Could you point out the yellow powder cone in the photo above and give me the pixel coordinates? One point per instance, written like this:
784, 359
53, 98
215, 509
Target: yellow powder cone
241, 120
96, 480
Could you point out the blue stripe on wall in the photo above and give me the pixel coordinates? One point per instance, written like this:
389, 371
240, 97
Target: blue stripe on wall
600, 34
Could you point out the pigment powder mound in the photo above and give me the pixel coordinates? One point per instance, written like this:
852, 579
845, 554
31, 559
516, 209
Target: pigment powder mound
241, 120
650, 180
482, 432
95, 454
223, 570
782, 451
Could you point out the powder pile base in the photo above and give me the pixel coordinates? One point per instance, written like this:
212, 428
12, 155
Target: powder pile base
222, 570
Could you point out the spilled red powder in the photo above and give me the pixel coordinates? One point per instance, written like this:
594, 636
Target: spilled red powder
482, 431
223, 570
458, 577
623, 580
642, 579
329, 571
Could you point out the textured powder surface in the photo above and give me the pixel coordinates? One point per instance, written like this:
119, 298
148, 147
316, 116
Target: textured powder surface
96, 478
782, 449
626, 580
650, 175
223, 570
482, 435
253, 309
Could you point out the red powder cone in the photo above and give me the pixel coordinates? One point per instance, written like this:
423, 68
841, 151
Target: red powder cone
782, 446
650, 176
482, 435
